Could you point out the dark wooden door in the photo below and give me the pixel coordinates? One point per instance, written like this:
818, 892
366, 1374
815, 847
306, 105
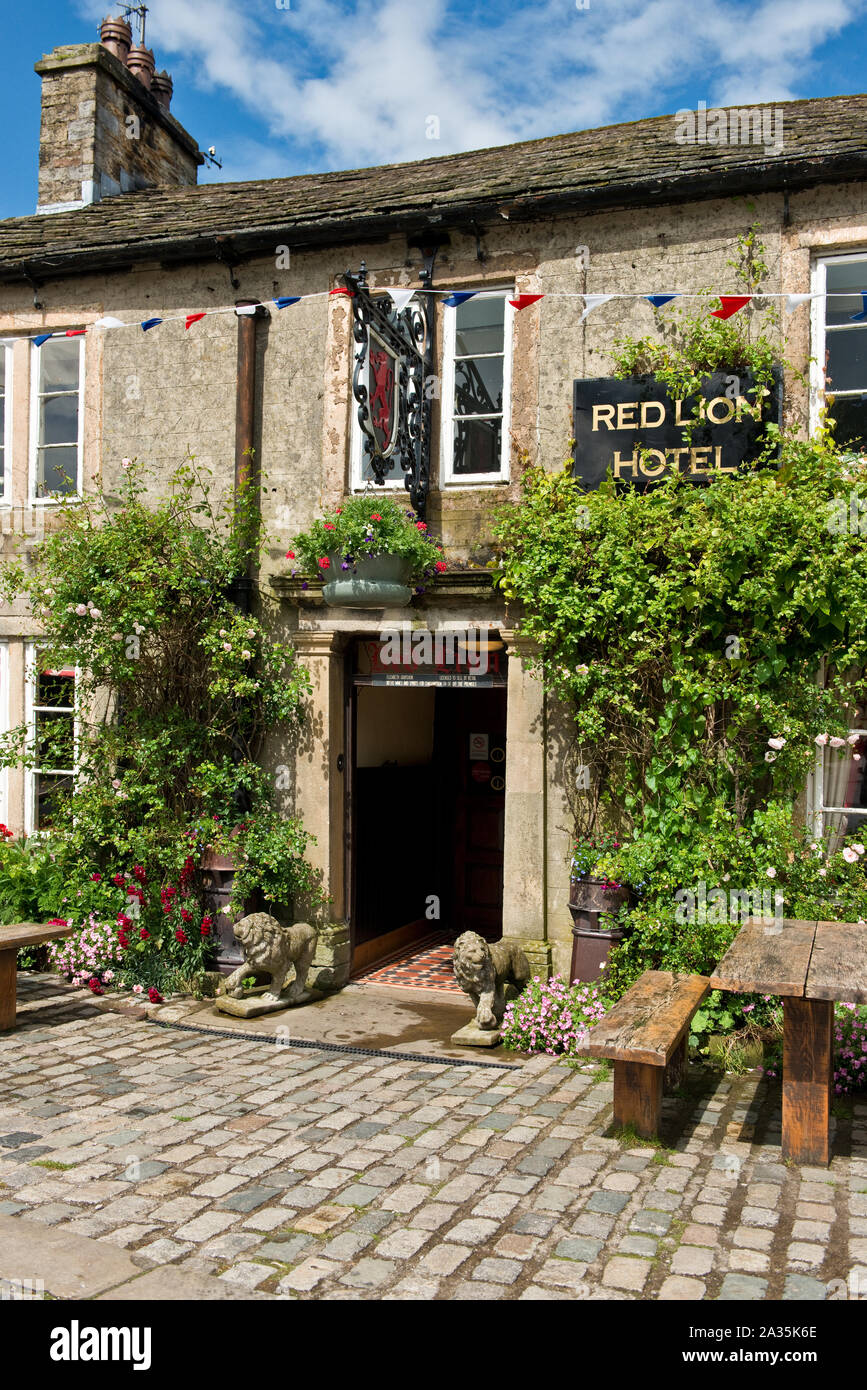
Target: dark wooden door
472, 729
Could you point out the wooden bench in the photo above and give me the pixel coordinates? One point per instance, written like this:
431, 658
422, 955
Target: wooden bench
646, 1035
12, 938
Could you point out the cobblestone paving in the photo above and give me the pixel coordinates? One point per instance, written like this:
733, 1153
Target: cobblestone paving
314, 1174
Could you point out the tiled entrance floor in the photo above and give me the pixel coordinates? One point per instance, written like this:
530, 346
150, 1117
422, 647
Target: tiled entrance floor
428, 966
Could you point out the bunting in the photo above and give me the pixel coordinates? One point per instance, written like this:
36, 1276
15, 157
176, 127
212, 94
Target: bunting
729, 304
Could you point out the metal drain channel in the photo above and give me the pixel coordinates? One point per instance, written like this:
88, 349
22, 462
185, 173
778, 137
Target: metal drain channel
332, 1047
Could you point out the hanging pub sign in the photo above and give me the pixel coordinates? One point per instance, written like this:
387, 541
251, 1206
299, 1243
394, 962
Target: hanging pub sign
634, 430
391, 380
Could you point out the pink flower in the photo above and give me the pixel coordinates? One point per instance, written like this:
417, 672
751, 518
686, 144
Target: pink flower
771, 873
81, 609
777, 743
850, 856
837, 742
821, 739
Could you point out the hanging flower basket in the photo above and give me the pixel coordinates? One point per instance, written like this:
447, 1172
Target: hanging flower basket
369, 553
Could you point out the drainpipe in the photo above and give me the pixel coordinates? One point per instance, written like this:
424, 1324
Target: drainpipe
246, 467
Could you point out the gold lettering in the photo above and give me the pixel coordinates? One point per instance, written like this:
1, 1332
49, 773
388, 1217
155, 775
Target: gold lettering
697, 464
652, 472
652, 405
620, 463
727, 405
678, 418
718, 464
603, 410
752, 408
675, 456
622, 422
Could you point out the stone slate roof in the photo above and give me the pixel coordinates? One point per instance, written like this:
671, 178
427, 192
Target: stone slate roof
639, 163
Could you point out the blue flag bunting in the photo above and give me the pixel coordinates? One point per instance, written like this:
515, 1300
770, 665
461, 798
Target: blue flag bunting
657, 300
862, 317
42, 338
149, 323
285, 300
459, 297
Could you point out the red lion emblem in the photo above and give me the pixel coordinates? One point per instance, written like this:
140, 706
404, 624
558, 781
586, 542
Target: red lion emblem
382, 394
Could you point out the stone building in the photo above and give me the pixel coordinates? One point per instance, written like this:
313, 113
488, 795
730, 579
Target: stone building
122, 230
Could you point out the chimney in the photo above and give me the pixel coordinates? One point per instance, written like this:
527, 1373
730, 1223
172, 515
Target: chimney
106, 124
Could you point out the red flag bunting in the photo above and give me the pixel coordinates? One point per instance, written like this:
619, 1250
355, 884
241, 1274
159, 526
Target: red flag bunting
75, 332
349, 294
193, 318
525, 300
729, 304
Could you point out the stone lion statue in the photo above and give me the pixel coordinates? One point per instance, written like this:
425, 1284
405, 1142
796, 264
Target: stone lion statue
270, 947
483, 971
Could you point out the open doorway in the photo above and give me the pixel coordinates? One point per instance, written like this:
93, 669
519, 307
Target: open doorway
428, 802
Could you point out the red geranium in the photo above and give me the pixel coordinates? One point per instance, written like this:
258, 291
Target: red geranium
290, 554
144, 934
440, 566
138, 870
375, 516
154, 995
421, 525
95, 986
57, 922
324, 563
118, 880
329, 526
96, 878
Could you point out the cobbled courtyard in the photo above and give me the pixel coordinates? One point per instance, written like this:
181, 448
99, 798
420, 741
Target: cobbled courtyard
165, 1162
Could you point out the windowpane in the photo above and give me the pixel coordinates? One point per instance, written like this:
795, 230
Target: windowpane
59, 365
55, 689
479, 386
477, 446
51, 790
480, 326
55, 745
847, 360
58, 420
58, 470
850, 414
845, 275
845, 781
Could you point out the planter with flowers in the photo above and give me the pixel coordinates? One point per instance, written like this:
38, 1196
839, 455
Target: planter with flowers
370, 553
595, 899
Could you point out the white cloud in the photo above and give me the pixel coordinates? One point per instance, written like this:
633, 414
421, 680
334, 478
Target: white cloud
342, 86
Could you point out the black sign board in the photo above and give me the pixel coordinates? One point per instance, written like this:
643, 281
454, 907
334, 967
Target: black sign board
635, 430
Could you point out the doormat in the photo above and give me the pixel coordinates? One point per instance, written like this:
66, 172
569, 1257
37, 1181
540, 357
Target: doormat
425, 966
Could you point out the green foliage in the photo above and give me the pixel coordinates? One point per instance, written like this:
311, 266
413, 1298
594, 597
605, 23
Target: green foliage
364, 526
175, 692
686, 628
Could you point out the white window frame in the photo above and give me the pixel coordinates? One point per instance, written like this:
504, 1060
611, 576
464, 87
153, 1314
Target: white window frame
5, 485
820, 334
36, 501
447, 408
31, 708
816, 793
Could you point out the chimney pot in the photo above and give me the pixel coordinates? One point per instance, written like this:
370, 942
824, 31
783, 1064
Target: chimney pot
116, 36
140, 62
162, 88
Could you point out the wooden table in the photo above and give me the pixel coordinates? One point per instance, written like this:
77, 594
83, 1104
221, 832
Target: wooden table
809, 965
12, 938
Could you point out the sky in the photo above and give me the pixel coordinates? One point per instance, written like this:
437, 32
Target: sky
284, 87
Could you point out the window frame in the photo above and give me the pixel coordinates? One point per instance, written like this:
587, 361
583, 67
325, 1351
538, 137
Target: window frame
820, 330
447, 410
31, 709
817, 808
35, 393
8, 350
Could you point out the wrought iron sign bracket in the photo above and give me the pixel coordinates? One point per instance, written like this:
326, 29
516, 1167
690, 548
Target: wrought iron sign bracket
391, 381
